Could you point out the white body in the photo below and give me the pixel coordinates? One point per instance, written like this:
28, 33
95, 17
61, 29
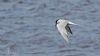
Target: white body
63, 28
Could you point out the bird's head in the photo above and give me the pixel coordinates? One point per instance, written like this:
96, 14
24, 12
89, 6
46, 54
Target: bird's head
63, 21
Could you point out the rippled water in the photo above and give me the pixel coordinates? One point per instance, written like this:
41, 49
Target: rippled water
27, 27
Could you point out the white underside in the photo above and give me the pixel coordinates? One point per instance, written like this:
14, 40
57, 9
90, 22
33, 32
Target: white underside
63, 32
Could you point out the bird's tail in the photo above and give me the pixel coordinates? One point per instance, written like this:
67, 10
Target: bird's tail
65, 36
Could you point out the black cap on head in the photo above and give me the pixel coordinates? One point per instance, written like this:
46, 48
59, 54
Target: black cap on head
57, 21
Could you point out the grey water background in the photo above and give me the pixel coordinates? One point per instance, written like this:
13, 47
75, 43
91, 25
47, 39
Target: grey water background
27, 27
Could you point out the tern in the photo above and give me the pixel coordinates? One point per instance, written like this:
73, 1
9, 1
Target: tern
63, 27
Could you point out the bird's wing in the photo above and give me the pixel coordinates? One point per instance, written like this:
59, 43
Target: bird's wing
65, 36
68, 29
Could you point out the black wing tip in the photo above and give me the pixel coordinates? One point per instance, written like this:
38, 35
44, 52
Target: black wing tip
71, 32
68, 29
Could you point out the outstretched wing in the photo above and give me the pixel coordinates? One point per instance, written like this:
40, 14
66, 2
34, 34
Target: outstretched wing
68, 29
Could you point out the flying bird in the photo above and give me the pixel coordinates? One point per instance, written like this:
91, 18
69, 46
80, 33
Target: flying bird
63, 27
